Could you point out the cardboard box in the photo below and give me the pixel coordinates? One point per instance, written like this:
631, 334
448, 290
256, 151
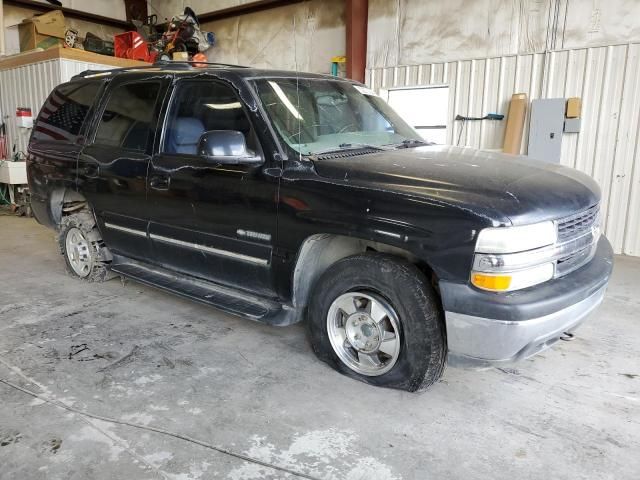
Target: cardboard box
43, 31
515, 123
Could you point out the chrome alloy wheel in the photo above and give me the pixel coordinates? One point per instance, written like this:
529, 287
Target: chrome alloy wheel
364, 331
78, 252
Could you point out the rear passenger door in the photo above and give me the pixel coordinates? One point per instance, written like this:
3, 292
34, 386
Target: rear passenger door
211, 220
112, 169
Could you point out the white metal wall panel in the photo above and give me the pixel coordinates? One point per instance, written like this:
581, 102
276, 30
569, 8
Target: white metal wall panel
29, 86
607, 147
25, 86
624, 226
475, 87
607, 80
69, 68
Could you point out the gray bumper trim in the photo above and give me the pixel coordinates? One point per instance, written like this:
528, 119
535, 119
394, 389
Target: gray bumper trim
478, 341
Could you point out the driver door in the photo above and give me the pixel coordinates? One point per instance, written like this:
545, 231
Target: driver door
211, 220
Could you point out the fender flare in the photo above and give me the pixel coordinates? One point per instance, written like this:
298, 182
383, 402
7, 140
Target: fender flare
318, 252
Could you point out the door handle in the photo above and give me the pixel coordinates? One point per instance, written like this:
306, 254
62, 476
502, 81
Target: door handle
159, 182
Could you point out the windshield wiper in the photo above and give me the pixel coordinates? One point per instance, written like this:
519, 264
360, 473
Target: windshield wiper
349, 146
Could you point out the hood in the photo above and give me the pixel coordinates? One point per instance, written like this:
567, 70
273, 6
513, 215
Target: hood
504, 188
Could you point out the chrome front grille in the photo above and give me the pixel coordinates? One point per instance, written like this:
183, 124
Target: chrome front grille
575, 225
579, 235
574, 261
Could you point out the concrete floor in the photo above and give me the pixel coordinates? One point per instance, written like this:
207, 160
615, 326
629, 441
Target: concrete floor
139, 355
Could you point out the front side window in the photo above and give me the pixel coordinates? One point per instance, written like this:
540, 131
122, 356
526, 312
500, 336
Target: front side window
127, 120
199, 107
65, 111
320, 115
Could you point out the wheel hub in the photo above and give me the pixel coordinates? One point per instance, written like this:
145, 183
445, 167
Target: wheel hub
363, 333
78, 252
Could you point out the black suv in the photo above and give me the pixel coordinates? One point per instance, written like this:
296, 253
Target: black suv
281, 196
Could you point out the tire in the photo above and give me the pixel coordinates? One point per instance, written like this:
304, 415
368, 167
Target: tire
80, 231
412, 361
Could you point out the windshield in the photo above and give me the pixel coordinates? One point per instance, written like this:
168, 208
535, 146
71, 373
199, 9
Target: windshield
320, 115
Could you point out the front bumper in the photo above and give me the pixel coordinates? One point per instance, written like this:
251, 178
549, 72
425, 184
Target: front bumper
485, 328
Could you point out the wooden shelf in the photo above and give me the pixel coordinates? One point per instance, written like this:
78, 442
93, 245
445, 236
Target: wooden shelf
39, 55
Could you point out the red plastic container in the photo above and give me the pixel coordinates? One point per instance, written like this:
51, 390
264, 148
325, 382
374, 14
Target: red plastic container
131, 45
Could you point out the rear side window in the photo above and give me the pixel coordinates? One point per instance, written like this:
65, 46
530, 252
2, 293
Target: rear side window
127, 120
65, 111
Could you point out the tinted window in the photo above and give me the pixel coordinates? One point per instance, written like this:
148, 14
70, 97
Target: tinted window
127, 119
65, 111
199, 107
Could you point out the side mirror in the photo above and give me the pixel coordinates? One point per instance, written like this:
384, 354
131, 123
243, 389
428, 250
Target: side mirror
226, 147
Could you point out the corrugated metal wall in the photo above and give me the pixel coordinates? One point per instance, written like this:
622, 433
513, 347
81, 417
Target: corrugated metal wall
607, 147
29, 86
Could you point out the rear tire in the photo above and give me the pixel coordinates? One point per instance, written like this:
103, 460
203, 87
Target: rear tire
85, 254
389, 317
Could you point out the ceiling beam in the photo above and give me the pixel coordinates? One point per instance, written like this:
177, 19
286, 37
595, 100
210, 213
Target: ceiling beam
243, 9
71, 13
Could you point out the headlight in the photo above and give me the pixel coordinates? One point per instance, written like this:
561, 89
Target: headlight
516, 239
512, 258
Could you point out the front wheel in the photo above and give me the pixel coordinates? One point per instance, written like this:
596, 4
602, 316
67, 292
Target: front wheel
376, 318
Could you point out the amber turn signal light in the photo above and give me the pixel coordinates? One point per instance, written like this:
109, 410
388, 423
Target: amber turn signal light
496, 283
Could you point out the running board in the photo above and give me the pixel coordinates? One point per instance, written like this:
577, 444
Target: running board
224, 298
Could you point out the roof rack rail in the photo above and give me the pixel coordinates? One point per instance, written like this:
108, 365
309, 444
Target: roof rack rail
87, 73
187, 65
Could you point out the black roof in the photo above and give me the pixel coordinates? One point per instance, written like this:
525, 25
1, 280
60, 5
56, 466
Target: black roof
189, 67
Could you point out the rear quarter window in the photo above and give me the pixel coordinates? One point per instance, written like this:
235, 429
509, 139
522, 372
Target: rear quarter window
65, 111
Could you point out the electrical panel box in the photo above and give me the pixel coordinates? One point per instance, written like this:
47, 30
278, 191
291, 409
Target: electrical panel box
572, 125
545, 129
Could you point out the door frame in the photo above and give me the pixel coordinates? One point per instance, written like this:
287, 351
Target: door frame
91, 131
254, 254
